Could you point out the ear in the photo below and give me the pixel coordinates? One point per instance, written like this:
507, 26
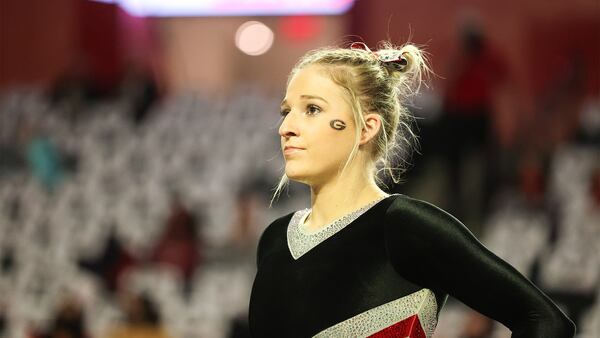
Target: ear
372, 126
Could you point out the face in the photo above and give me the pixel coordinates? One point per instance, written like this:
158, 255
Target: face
318, 130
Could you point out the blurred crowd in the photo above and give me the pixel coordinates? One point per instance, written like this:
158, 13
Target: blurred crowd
131, 215
163, 212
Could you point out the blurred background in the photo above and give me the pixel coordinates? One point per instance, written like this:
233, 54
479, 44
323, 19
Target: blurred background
139, 151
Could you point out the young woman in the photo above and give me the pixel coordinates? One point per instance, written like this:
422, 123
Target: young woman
360, 262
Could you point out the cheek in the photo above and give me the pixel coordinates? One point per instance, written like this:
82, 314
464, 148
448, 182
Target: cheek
334, 145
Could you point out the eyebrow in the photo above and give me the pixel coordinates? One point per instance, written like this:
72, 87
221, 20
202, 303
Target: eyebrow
307, 97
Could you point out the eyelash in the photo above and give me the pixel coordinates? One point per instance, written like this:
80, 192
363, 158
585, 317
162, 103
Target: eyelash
310, 106
284, 112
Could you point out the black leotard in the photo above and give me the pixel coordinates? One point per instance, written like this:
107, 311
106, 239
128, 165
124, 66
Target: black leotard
395, 263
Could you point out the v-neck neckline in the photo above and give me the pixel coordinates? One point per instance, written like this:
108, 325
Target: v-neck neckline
300, 240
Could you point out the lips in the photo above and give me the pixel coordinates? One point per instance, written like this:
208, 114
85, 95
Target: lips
291, 150
292, 147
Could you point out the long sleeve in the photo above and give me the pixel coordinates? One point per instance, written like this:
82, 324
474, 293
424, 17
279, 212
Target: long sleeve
435, 250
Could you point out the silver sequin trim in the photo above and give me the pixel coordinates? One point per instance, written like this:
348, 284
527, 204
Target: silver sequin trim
421, 303
301, 241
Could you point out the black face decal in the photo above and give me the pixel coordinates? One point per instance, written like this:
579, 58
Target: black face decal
337, 124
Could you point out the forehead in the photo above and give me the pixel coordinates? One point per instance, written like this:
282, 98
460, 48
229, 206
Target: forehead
313, 80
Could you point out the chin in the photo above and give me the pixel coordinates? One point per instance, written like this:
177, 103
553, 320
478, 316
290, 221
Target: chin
296, 175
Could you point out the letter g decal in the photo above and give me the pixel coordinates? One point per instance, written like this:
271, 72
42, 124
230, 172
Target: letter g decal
337, 124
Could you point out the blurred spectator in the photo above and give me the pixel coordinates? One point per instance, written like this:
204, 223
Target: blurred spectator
69, 322
179, 245
244, 229
138, 91
531, 180
112, 263
559, 106
475, 75
43, 157
142, 319
74, 90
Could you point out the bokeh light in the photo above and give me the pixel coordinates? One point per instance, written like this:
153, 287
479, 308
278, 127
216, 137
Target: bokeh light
300, 28
254, 38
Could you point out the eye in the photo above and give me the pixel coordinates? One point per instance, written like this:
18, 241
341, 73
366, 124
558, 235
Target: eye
284, 112
312, 109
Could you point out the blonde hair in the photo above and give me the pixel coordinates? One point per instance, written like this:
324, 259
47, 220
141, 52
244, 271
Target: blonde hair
375, 86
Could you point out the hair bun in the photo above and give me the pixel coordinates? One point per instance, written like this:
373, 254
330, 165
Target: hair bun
395, 60
407, 63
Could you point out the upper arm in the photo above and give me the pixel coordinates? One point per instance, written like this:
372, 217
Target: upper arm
442, 253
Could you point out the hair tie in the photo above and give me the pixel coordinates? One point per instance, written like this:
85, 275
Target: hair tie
361, 46
389, 58
393, 58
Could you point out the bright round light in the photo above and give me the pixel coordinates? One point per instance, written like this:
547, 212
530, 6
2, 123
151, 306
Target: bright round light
254, 38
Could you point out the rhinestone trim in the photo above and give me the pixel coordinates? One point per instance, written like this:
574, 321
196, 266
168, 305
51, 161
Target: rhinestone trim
300, 241
421, 303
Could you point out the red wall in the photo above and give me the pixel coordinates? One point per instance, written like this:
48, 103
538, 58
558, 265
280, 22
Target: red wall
37, 40
41, 39
533, 34
98, 41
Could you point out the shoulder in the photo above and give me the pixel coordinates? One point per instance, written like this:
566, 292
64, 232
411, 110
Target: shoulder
425, 242
274, 231
411, 216
404, 208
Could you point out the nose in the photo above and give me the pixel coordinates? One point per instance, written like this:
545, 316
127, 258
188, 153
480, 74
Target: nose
288, 127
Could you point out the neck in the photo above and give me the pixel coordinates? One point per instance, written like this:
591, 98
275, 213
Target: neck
342, 195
